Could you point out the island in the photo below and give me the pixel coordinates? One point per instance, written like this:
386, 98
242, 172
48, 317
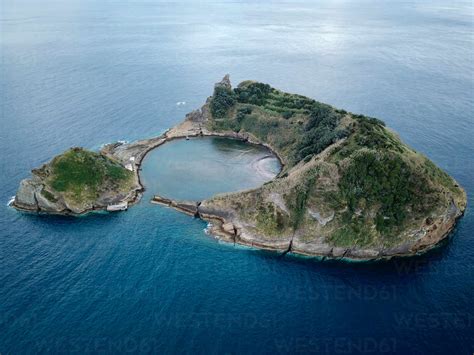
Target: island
349, 188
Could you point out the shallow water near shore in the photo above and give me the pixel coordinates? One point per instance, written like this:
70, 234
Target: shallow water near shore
86, 72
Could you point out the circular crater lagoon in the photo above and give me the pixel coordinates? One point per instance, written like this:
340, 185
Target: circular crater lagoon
199, 168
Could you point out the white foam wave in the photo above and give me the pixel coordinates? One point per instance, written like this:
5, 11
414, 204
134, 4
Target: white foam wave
10, 201
208, 228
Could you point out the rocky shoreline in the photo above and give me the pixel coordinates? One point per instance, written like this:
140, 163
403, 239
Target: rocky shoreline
223, 229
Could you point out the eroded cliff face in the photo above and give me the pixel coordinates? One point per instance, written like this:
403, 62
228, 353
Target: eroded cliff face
29, 197
262, 218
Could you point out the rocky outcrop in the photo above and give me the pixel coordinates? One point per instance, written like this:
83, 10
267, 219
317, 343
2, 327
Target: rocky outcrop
188, 207
433, 232
33, 196
225, 83
321, 220
25, 198
37, 194
227, 227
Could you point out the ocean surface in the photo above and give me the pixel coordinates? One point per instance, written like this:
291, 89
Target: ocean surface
85, 73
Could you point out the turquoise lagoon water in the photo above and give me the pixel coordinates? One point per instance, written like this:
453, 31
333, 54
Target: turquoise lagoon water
84, 73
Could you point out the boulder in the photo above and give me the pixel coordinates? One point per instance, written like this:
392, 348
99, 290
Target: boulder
26, 195
228, 228
225, 82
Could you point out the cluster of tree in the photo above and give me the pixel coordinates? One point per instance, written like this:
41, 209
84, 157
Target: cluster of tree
371, 120
259, 94
320, 131
287, 114
242, 113
222, 100
383, 179
293, 103
371, 134
253, 93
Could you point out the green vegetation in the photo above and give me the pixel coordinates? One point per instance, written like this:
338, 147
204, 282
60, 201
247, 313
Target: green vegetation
374, 185
272, 101
383, 180
222, 100
83, 173
270, 220
253, 93
320, 131
297, 200
438, 176
242, 113
357, 232
48, 195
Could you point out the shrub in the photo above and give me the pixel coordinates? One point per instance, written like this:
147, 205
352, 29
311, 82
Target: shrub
222, 100
242, 112
320, 131
287, 115
383, 179
79, 171
253, 93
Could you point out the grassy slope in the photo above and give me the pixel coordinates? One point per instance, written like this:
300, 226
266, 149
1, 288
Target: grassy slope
80, 176
375, 187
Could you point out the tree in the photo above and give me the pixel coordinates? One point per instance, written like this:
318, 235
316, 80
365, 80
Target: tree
222, 100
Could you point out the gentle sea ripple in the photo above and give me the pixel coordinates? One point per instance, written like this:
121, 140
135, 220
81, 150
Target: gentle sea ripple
86, 72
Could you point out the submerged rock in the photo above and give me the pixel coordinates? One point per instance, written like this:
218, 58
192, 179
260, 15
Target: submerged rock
26, 195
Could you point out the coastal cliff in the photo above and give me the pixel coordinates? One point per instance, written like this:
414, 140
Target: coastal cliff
348, 188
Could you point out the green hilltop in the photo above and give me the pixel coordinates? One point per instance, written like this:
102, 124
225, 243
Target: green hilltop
81, 174
75, 182
347, 180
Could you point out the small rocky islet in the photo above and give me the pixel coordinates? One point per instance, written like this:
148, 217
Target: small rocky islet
349, 187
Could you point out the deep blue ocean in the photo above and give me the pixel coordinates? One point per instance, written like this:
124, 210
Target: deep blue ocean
84, 73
